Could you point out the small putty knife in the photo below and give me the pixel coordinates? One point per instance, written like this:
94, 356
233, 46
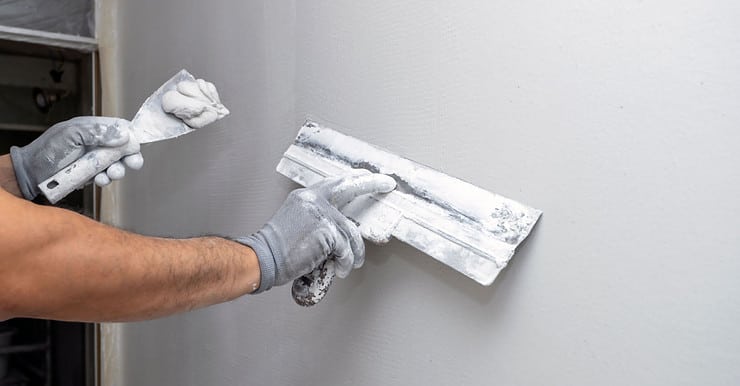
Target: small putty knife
151, 123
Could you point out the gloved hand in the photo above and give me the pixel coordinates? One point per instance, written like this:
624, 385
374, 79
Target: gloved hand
308, 229
64, 143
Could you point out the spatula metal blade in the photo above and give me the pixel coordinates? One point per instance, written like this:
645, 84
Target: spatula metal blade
152, 123
463, 226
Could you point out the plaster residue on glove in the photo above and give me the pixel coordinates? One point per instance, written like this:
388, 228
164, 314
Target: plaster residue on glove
195, 102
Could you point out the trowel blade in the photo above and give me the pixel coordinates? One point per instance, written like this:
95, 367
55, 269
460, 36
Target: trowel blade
152, 123
463, 226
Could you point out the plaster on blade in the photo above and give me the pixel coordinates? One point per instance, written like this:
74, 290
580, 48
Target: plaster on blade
463, 226
179, 106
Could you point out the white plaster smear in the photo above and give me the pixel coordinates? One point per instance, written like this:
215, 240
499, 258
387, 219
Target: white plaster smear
195, 102
470, 229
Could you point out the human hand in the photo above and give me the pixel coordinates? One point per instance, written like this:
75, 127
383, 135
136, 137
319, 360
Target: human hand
67, 141
309, 229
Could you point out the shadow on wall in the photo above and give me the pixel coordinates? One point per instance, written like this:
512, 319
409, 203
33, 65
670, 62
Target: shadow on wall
437, 273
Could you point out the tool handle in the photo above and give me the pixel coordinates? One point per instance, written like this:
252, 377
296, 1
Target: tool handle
83, 170
309, 289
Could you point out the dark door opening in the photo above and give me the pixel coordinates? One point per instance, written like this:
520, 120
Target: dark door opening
40, 86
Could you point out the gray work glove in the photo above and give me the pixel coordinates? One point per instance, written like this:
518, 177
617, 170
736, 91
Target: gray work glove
64, 143
308, 229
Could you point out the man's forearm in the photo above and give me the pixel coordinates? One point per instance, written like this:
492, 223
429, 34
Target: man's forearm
7, 176
132, 277
64, 266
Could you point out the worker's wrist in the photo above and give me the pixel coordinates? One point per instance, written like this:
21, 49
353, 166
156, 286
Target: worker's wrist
25, 184
8, 182
254, 275
265, 260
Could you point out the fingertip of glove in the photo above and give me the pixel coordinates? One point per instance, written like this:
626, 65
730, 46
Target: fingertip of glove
116, 171
134, 161
102, 179
386, 183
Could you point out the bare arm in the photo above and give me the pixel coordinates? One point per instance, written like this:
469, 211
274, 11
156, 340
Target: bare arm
60, 265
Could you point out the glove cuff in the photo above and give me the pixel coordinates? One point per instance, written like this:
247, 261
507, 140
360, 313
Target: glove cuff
265, 258
28, 188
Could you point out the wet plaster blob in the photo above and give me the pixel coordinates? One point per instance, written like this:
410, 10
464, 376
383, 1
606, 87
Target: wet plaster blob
617, 119
197, 103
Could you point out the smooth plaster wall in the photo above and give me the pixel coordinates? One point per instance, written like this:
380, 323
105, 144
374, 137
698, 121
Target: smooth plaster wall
618, 119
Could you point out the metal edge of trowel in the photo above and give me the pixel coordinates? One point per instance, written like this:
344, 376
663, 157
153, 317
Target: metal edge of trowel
473, 231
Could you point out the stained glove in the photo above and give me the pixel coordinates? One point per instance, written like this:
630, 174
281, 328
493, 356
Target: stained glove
64, 143
308, 229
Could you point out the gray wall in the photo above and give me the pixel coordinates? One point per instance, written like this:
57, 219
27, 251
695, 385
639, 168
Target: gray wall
71, 17
618, 119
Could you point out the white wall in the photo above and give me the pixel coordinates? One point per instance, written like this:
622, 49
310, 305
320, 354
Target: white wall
618, 119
